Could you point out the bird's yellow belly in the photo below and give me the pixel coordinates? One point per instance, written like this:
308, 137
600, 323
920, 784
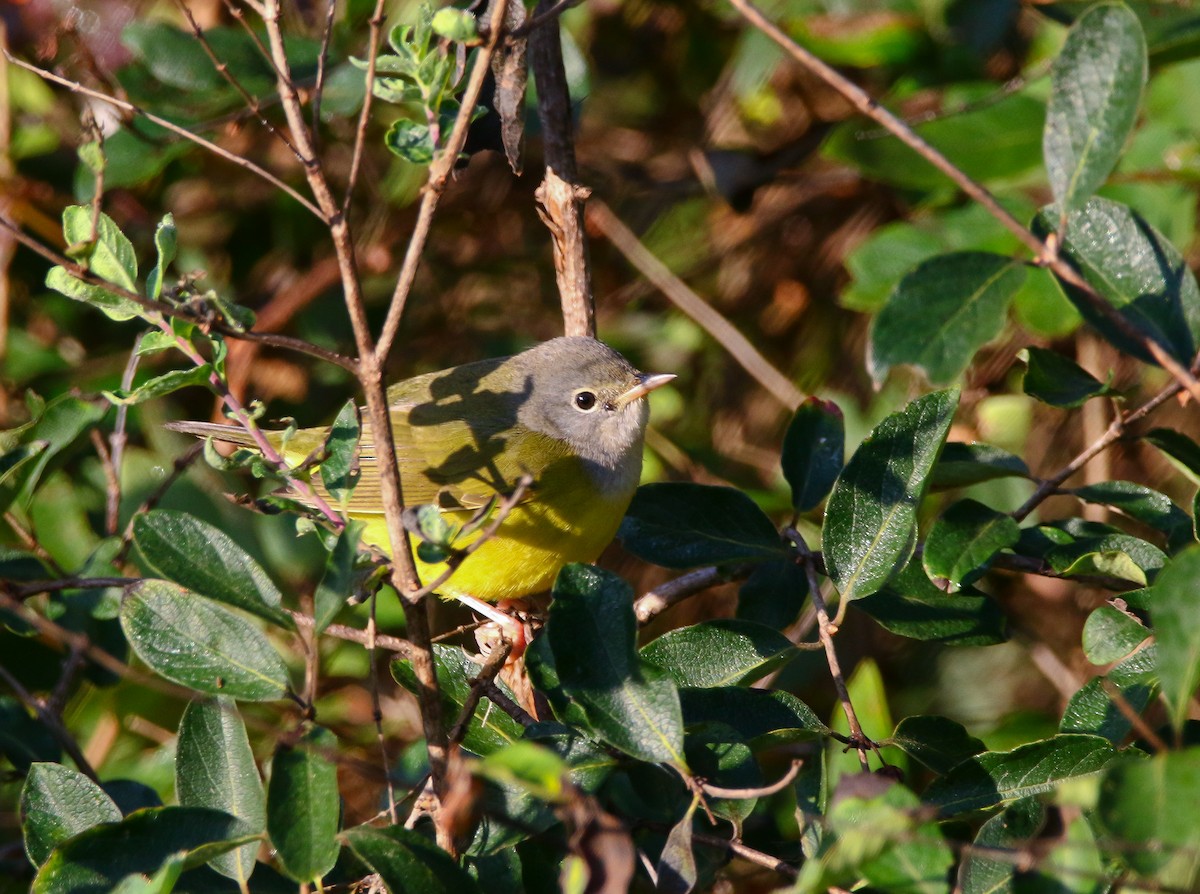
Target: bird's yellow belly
531, 546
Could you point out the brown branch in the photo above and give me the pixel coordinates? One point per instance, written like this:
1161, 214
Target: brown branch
479, 686
738, 849
552, 12
117, 441
656, 601
353, 635
364, 115
725, 333
761, 792
51, 721
232, 157
1045, 253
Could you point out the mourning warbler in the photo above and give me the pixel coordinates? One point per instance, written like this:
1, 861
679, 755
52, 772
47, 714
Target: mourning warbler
570, 412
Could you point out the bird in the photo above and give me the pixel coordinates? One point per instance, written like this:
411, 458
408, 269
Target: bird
570, 413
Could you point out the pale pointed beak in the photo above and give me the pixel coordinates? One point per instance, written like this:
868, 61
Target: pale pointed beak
646, 382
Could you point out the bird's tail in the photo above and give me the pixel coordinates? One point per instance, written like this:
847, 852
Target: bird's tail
229, 434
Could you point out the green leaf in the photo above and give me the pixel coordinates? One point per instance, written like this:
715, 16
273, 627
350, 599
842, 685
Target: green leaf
340, 579
1112, 555
911, 606
165, 238
115, 307
1110, 634
182, 548
1096, 87
1150, 807
1054, 379
676, 869
57, 803
96, 860
773, 594
813, 452
1137, 271
455, 24
1175, 612
12, 461
1178, 446
942, 312
303, 806
194, 642
536, 768
760, 716
1092, 709
167, 383
998, 777
407, 862
411, 141
962, 543
339, 468
681, 525
871, 516
25, 740
720, 653
985, 868
110, 256
593, 634
214, 767
961, 465
1144, 504
1073, 865
939, 743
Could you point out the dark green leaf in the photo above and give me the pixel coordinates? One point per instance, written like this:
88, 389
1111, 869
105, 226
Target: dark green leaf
1150, 806
814, 451
93, 862
57, 803
997, 777
942, 312
1142, 503
1059, 381
681, 525
1176, 445
105, 250
592, 632
191, 552
303, 806
773, 594
1138, 272
1073, 865
720, 653
911, 606
161, 385
760, 716
340, 578
1111, 555
963, 541
1096, 86
214, 767
407, 862
1175, 612
12, 461
871, 516
983, 870
339, 468
1110, 634
962, 464
196, 643
1092, 709
677, 863
24, 740
937, 742
717, 753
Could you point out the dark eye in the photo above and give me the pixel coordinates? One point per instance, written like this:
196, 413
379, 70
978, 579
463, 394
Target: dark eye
585, 400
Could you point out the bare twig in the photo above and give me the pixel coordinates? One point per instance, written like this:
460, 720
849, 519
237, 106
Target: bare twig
479, 687
656, 601
778, 785
364, 115
1045, 253
51, 721
117, 441
745, 852
544, 17
322, 63
352, 634
498, 698
724, 332
232, 157
376, 707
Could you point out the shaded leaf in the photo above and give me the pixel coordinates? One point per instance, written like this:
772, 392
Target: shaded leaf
510, 70
57, 803
937, 742
813, 452
983, 871
759, 716
911, 606
1142, 503
303, 807
871, 516
407, 862
1175, 612
773, 594
963, 541
962, 464
1092, 709
1056, 380
339, 468
24, 740
340, 579
720, 653
1176, 445
677, 864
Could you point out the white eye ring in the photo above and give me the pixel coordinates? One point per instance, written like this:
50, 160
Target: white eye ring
584, 400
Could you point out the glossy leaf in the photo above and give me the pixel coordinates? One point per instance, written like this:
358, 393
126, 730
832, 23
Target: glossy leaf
681, 525
592, 633
184, 549
339, 468
1137, 271
1092, 708
871, 516
760, 716
1175, 612
57, 803
773, 594
997, 777
1110, 634
962, 543
962, 464
939, 743
159, 386
720, 653
1176, 445
196, 643
214, 767
94, 861
813, 452
1120, 556
407, 862
1142, 503
911, 606
942, 312
1054, 379
1096, 86
677, 864
303, 807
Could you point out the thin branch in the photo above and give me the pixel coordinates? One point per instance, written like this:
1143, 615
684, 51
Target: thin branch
1045, 253
1136, 720
51, 721
543, 18
479, 686
117, 441
725, 333
322, 64
376, 706
738, 849
354, 635
364, 115
655, 602
761, 792
233, 157
498, 697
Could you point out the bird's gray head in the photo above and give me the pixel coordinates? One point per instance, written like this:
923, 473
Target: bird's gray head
585, 393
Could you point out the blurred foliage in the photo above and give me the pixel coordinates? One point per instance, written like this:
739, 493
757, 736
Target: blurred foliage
1030, 674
